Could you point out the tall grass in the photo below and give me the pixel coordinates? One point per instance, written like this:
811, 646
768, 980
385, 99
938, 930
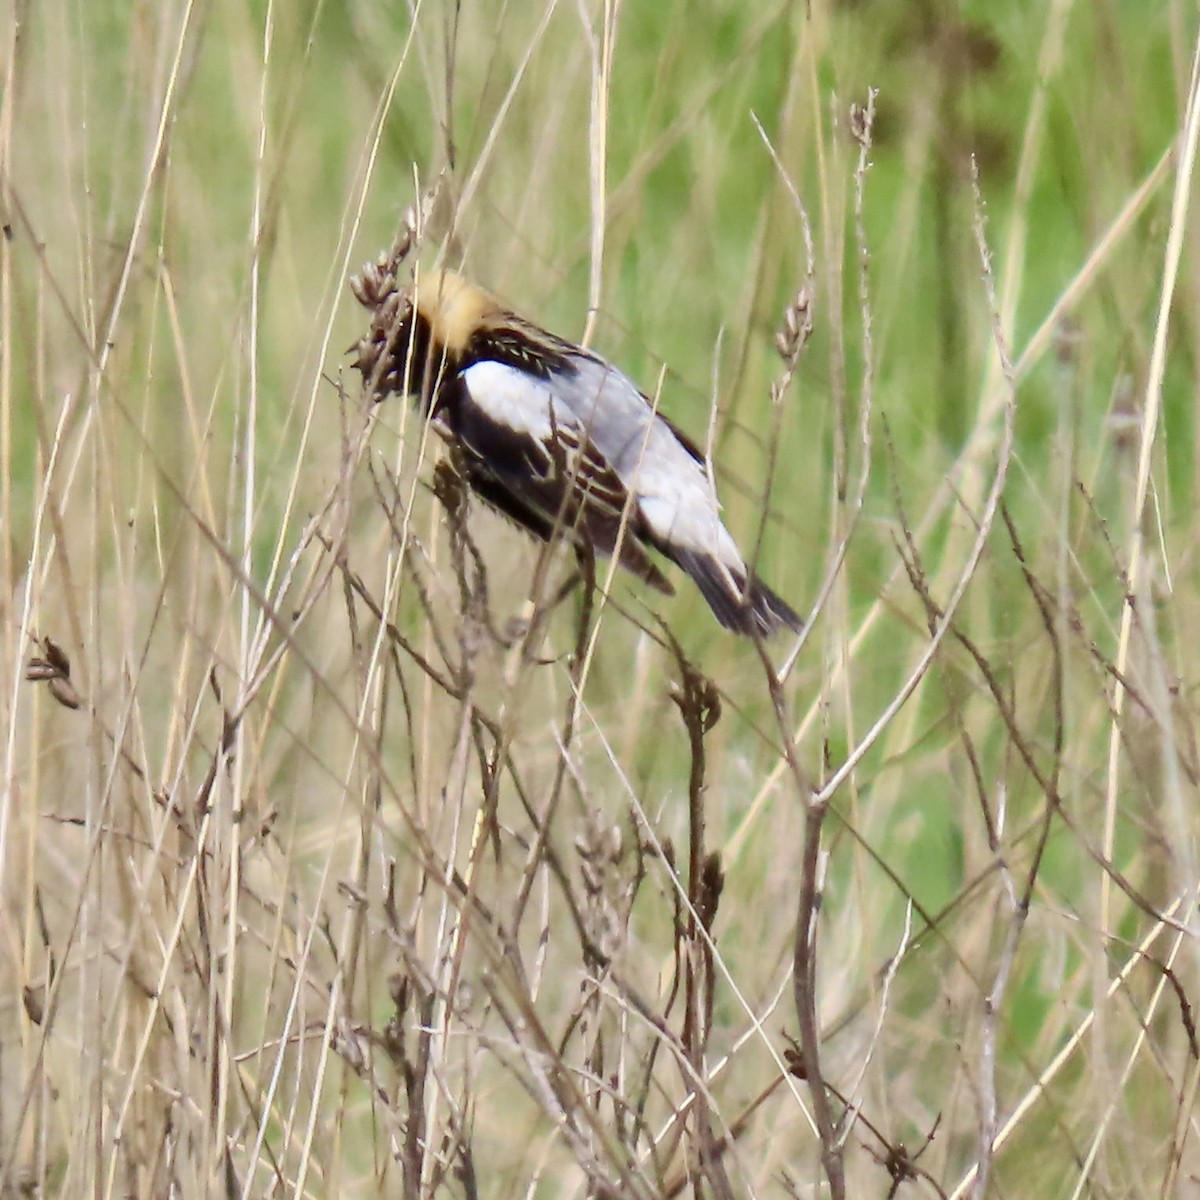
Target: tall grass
351, 845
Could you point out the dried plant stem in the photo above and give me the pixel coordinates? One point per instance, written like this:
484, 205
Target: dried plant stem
804, 951
1149, 426
698, 702
804, 985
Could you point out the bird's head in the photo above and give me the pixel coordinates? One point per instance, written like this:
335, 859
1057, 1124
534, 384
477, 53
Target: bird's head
419, 333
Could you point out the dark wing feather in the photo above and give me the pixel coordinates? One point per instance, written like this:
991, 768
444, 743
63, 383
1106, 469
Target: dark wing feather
555, 483
518, 344
761, 611
683, 439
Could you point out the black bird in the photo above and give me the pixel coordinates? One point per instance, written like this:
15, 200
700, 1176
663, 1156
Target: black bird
558, 439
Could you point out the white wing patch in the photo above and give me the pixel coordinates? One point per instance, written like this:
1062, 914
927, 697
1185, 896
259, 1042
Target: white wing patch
515, 399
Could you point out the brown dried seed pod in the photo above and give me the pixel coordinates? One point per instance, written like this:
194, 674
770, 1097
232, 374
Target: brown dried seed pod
797, 327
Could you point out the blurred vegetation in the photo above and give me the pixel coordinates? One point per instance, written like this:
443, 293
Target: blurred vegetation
276, 837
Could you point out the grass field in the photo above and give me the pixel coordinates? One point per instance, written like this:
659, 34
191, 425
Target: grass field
347, 851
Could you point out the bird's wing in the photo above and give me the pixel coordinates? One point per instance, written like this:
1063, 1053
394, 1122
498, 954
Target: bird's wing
677, 507
529, 456
666, 472
522, 432
572, 453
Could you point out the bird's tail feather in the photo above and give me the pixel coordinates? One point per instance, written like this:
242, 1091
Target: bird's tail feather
745, 610
634, 558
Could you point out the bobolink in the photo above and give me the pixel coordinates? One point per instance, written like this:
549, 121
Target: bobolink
558, 439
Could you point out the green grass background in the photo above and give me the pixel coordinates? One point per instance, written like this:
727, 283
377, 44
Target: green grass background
174, 314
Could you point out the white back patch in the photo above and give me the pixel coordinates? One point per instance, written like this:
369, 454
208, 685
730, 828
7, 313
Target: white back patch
514, 398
